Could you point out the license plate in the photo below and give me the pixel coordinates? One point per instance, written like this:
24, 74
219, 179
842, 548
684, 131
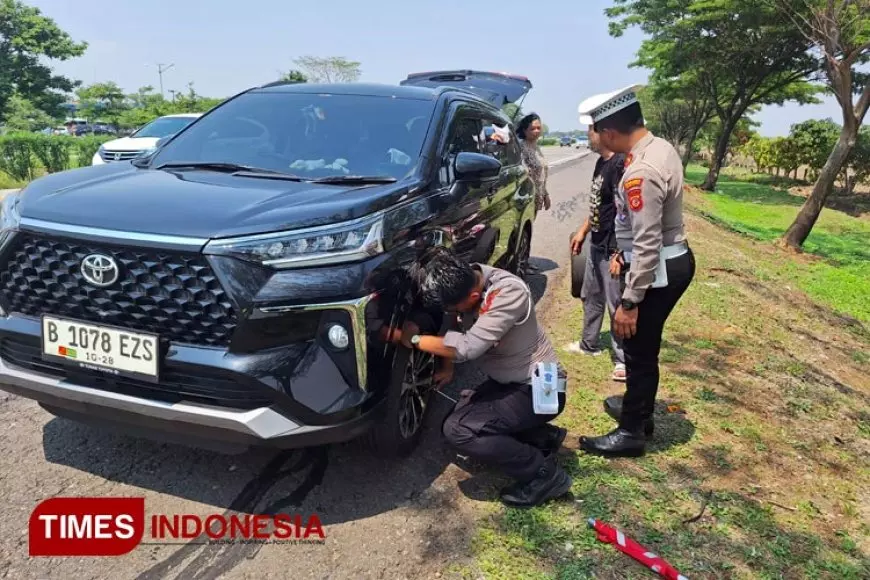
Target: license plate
102, 348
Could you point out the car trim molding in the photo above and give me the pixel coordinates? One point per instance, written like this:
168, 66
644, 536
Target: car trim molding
115, 236
356, 308
262, 423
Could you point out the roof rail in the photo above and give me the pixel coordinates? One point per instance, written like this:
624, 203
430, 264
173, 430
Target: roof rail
279, 83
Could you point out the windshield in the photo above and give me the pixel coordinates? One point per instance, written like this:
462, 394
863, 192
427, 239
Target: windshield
164, 127
309, 135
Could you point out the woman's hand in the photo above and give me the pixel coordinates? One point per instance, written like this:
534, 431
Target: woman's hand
546, 201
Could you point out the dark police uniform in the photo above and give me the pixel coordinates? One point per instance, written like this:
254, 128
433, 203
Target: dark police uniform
496, 423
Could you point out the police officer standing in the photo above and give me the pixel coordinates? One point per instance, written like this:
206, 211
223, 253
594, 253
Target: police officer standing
497, 422
653, 261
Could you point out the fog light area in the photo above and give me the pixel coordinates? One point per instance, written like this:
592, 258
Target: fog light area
338, 336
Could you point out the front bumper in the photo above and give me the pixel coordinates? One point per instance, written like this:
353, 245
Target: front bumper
294, 396
191, 424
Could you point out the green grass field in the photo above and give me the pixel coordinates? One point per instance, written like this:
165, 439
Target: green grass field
840, 278
758, 469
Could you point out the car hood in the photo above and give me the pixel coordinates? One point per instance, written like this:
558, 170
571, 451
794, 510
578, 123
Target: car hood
497, 88
201, 204
131, 144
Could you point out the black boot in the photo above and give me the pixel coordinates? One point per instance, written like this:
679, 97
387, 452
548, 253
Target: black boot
613, 407
549, 482
618, 443
548, 438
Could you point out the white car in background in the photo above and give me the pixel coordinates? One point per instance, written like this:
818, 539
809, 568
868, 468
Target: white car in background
146, 138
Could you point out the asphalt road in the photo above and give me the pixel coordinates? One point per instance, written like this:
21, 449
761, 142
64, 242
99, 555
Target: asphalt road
404, 519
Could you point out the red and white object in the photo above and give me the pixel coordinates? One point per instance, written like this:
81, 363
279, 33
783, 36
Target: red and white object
628, 546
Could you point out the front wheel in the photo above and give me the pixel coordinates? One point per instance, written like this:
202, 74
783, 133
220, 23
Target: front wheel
409, 391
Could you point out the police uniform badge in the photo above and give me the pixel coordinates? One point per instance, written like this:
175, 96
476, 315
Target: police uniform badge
633, 193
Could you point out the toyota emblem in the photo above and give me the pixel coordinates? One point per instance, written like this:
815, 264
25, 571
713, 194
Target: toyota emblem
100, 270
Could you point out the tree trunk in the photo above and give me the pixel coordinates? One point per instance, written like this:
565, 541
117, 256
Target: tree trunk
687, 154
719, 155
806, 218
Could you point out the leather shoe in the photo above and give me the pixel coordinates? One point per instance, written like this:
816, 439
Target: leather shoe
613, 407
550, 482
618, 443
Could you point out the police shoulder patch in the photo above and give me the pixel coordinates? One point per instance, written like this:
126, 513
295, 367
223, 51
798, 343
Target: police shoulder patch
635, 198
488, 299
632, 183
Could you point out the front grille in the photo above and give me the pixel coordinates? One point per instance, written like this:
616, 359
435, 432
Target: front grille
174, 387
109, 156
174, 295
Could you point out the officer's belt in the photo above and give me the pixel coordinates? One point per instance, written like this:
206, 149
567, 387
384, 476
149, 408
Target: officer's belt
666, 253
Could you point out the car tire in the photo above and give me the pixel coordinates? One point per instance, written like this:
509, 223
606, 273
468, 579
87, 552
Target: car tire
578, 268
520, 262
408, 395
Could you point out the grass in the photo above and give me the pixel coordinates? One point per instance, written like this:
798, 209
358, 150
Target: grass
755, 208
763, 418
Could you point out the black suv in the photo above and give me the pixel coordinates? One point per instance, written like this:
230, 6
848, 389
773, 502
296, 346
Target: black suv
236, 287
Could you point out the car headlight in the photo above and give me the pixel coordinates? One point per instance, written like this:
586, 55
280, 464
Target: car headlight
10, 217
10, 214
344, 242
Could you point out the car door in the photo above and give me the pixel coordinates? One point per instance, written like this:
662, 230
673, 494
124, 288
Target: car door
461, 219
503, 201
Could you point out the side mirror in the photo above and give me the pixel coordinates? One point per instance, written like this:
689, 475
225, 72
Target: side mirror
476, 166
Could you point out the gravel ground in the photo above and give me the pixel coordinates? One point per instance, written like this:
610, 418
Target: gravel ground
408, 519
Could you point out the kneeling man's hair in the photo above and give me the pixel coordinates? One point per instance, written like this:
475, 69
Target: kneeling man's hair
442, 278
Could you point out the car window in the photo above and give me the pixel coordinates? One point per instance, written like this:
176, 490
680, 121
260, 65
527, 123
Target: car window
507, 153
463, 136
310, 135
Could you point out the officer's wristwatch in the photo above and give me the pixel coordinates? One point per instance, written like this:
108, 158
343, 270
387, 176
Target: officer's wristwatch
627, 304
415, 340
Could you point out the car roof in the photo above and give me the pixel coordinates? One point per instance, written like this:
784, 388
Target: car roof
360, 89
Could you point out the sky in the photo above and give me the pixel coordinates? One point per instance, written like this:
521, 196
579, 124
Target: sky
226, 47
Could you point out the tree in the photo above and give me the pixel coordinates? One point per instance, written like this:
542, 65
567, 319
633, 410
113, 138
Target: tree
22, 115
330, 69
676, 111
859, 161
294, 76
815, 139
146, 105
192, 102
742, 53
105, 100
839, 33
27, 38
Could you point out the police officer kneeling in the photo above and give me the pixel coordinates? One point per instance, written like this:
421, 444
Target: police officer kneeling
496, 423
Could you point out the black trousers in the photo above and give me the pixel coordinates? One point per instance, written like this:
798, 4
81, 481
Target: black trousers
496, 424
642, 350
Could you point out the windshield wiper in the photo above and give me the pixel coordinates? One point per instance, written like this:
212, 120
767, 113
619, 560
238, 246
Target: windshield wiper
234, 168
355, 179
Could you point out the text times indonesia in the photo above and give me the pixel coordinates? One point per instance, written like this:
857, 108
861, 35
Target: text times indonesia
111, 526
